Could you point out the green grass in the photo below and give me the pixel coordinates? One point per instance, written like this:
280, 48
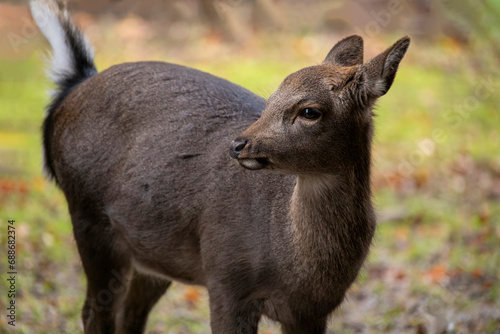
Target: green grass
450, 215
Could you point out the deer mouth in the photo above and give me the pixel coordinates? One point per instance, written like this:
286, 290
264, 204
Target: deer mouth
253, 163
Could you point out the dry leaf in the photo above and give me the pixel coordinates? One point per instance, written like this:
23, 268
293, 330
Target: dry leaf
436, 274
192, 295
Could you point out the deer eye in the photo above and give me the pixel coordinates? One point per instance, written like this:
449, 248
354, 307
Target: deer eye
310, 113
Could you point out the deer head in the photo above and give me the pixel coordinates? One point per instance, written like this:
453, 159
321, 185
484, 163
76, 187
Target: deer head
319, 120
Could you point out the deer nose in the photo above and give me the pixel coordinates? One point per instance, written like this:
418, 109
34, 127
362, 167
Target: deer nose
236, 148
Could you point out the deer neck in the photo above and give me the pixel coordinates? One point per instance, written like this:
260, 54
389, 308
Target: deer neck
332, 220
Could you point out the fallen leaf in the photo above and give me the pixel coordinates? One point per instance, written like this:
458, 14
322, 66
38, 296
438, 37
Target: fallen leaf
192, 295
436, 274
477, 273
484, 213
487, 285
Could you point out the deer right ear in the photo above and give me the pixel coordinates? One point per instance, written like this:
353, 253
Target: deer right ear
381, 70
347, 52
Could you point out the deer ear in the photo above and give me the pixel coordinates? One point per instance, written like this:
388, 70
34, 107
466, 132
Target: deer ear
347, 52
381, 70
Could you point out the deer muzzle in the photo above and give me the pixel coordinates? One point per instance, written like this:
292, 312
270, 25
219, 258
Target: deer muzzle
238, 151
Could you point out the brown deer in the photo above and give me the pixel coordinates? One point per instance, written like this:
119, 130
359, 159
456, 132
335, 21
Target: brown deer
157, 192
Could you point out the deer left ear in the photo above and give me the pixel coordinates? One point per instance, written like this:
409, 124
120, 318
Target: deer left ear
381, 70
347, 52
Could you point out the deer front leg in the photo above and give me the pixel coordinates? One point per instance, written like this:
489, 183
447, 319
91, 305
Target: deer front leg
228, 315
143, 293
305, 327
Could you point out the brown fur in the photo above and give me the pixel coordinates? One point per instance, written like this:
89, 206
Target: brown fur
141, 154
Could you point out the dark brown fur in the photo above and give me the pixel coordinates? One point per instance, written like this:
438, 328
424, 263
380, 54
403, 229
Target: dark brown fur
141, 154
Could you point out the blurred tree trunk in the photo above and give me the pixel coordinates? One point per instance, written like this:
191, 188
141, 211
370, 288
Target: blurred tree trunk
478, 20
266, 14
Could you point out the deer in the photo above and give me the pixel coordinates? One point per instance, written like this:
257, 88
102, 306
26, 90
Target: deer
173, 174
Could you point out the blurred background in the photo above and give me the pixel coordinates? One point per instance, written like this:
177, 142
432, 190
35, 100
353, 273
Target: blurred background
435, 264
